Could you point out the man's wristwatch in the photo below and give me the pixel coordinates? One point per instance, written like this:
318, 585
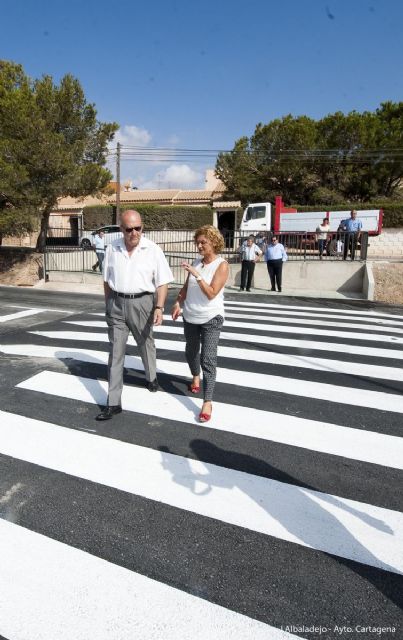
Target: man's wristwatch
162, 308
198, 278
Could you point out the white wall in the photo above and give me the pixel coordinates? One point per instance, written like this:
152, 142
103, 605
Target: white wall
331, 276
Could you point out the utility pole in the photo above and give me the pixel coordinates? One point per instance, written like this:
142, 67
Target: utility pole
117, 210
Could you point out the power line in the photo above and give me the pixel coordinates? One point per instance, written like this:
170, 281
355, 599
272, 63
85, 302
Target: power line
345, 156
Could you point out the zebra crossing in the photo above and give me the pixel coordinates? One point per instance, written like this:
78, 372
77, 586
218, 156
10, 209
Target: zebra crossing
280, 518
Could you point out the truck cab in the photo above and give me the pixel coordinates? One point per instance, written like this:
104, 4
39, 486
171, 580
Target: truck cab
256, 217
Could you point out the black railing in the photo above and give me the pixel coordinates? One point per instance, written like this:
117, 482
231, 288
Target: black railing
178, 245
298, 245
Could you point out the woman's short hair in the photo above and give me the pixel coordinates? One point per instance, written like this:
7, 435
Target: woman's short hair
213, 235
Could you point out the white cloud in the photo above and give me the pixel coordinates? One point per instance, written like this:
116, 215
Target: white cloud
154, 174
176, 176
131, 135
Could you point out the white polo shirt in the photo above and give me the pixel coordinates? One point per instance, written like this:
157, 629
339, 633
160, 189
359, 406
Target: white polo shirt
250, 253
145, 270
99, 243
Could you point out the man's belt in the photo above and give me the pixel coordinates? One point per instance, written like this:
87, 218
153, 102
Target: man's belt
131, 296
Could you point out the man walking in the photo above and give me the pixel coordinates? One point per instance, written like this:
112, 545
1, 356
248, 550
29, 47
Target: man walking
352, 228
136, 277
250, 254
99, 247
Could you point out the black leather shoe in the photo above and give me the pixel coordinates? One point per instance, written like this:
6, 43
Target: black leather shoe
152, 385
108, 412
248, 290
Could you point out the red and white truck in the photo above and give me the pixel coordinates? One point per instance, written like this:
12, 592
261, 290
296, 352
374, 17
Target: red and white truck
262, 216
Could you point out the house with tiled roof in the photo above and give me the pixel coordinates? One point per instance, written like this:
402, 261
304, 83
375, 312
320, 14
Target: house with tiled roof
193, 197
69, 211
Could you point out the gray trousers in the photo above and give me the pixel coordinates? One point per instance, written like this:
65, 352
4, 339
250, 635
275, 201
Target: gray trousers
207, 336
101, 257
124, 315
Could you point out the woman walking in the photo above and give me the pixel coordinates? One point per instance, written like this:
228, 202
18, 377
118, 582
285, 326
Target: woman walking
202, 297
275, 255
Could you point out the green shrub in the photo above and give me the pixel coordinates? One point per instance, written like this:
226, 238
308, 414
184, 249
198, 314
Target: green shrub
154, 216
392, 214
97, 216
172, 216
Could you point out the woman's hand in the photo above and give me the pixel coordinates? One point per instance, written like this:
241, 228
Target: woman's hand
176, 311
188, 267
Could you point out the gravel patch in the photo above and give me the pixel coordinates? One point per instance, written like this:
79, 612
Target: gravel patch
388, 282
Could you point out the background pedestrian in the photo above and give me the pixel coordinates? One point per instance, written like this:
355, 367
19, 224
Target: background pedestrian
274, 256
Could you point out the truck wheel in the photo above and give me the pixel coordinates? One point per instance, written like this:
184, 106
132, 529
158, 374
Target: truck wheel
85, 243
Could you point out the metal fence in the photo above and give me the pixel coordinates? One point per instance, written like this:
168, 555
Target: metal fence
178, 246
69, 259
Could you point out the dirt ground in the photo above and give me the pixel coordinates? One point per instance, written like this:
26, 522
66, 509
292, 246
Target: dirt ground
388, 282
20, 268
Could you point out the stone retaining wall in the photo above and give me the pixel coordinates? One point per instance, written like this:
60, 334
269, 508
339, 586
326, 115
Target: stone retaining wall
388, 245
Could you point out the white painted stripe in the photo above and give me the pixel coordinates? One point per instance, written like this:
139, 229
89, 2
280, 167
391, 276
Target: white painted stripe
273, 308
356, 444
321, 323
321, 308
272, 314
20, 314
312, 331
50, 591
266, 357
336, 347
265, 327
362, 532
20, 306
303, 362
291, 386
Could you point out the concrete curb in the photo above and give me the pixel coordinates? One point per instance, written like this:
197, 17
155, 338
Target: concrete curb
368, 285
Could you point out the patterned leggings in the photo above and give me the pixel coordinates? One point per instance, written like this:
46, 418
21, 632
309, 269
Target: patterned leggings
207, 335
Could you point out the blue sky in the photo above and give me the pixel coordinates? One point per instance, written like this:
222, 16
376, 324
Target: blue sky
201, 74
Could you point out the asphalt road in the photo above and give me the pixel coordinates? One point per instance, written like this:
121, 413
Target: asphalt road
280, 518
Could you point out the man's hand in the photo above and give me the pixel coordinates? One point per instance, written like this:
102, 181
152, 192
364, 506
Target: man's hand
107, 291
158, 317
176, 311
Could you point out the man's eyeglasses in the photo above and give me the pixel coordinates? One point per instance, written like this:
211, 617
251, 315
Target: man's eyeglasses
130, 229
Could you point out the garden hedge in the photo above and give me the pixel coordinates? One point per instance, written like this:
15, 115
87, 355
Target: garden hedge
154, 216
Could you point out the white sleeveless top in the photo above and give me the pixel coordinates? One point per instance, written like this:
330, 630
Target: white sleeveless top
197, 308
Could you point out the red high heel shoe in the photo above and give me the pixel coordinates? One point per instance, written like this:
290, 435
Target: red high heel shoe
204, 417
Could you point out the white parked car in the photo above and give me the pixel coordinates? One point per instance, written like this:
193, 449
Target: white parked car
112, 232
